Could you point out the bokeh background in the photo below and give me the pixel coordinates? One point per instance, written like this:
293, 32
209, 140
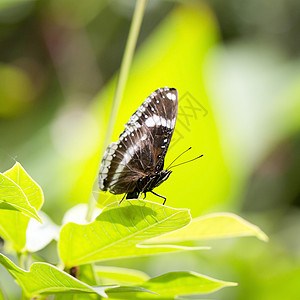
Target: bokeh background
237, 69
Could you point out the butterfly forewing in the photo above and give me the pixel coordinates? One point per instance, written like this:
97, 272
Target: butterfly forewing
143, 144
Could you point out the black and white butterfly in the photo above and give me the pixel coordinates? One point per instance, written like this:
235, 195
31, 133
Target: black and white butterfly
135, 163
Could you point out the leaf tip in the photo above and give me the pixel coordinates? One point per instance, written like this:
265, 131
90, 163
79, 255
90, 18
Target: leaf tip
261, 235
229, 283
37, 217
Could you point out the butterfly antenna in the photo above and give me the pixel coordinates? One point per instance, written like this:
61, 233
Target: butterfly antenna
187, 161
178, 157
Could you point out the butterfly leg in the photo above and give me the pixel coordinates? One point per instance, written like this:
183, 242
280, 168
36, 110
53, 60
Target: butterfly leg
144, 196
133, 195
122, 199
165, 199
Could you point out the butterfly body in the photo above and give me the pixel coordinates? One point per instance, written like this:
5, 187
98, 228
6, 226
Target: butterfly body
148, 183
135, 163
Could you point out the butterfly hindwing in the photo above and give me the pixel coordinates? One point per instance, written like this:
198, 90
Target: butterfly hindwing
143, 144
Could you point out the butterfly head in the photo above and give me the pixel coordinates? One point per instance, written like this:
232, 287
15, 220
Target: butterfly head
163, 175
158, 178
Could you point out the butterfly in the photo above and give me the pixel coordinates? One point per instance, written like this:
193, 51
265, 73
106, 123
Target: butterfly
134, 165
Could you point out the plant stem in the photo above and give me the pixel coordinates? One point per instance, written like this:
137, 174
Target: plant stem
28, 260
21, 260
122, 80
22, 265
125, 66
91, 206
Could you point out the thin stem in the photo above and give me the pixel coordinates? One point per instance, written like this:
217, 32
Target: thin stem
125, 66
21, 260
91, 207
22, 265
28, 260
122, 80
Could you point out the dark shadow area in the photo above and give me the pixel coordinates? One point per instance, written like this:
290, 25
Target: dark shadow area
128, 216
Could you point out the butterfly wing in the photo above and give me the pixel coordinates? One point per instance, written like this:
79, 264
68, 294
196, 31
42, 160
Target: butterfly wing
143, 144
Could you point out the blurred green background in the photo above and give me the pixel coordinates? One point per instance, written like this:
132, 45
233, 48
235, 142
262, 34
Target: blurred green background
236, 66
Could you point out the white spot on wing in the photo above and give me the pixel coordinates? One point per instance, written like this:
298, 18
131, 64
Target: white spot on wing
150, 122
163, 122
173, 123
156, 119
106, 162
171, 96
142, 108
169, 124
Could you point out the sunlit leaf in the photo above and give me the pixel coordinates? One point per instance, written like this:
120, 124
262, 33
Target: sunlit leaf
213, 226
30, 188
88, 275
173, 284
13, 224
118, 230
120, 276
45, 279
12, 197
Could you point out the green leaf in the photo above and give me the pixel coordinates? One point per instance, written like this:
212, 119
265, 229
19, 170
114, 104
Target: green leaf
118, 231
30, 188
120, 276
45, 279
129, 290
173, 284
86, 274
213, 226
12, 197
13, 224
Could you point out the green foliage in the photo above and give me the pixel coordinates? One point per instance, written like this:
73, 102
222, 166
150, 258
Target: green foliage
122, 276
14, 183
20, 198
176, 284
131, 229
45, 279
246, 82
214, 226
133, 222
